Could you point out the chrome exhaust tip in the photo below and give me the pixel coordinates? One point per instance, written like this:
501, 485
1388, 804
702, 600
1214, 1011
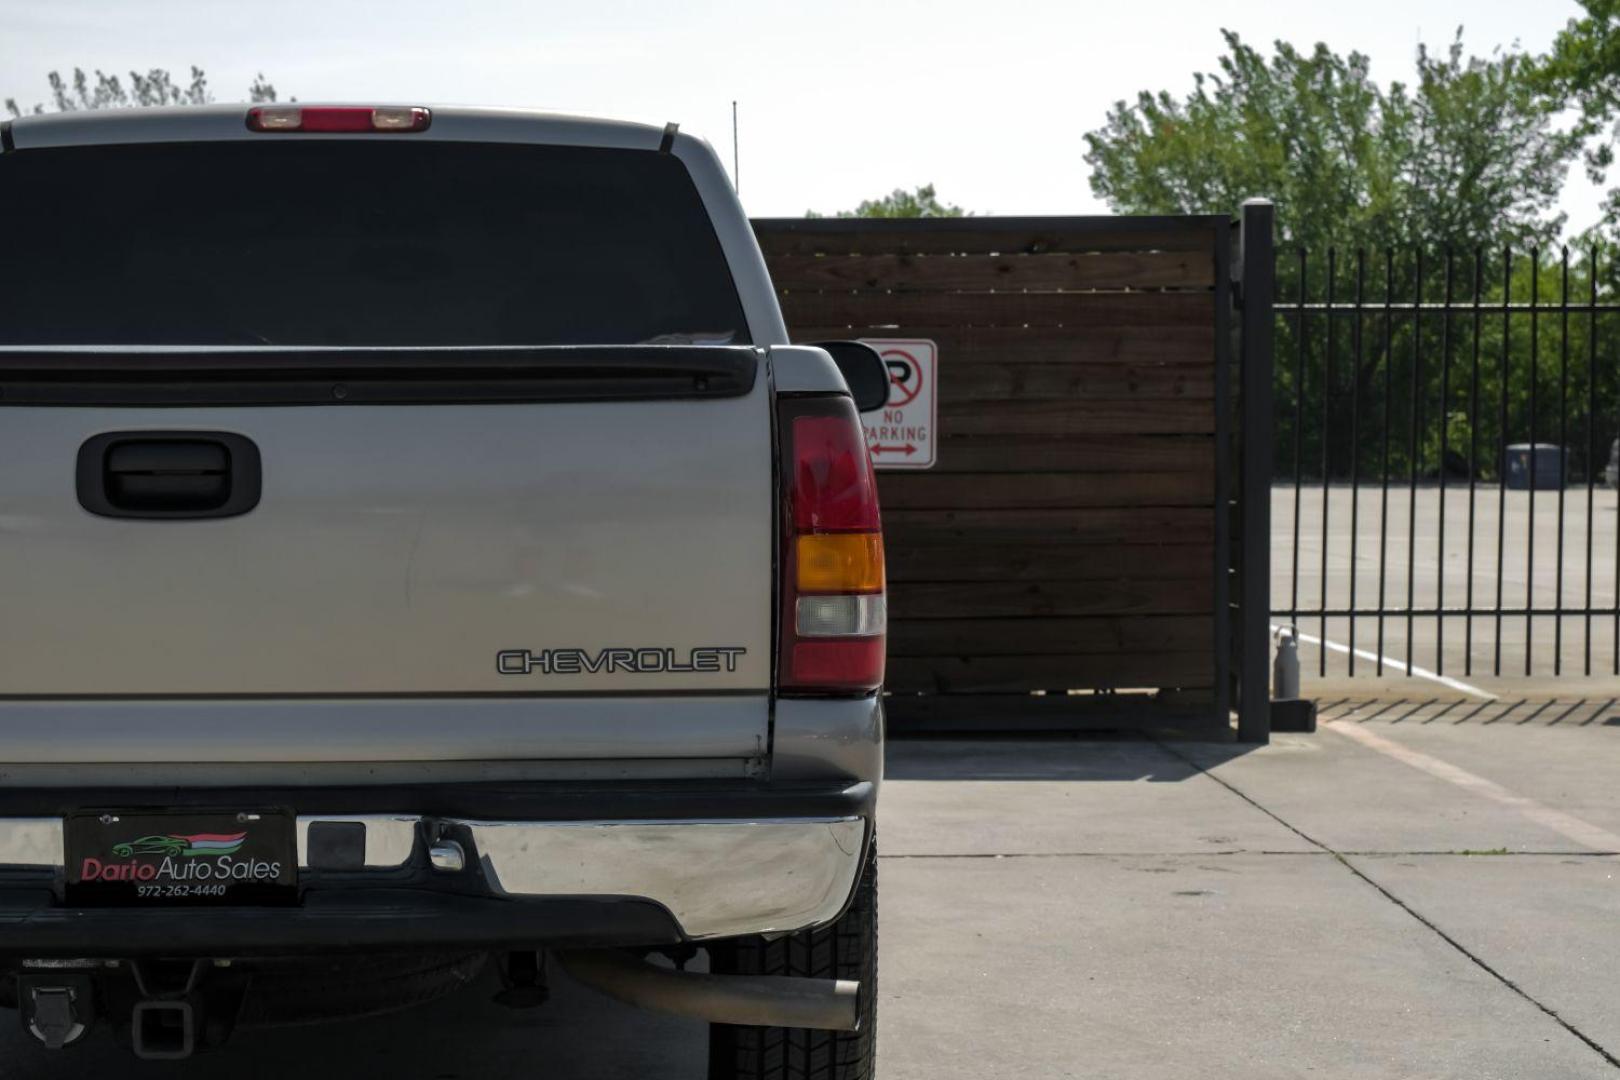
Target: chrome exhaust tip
749, 1000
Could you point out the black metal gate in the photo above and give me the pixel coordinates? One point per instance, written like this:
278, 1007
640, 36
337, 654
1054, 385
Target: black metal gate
1445, 440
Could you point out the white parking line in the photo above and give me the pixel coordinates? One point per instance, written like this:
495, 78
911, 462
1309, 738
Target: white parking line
1582, 832
1414, 671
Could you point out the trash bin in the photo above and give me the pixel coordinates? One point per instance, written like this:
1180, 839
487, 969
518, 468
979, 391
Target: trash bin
1547, 460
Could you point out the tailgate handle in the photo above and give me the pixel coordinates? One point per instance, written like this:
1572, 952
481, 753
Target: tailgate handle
169, 474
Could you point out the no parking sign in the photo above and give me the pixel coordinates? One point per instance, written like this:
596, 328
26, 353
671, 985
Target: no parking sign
902, 434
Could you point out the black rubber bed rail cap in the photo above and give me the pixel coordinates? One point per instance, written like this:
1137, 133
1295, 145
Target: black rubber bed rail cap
304, 376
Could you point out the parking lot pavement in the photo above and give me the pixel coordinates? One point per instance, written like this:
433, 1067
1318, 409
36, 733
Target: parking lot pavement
1537, 919
1246, 966
1274, 953
1351, 797
1404, 894
1011, 797
1534, 748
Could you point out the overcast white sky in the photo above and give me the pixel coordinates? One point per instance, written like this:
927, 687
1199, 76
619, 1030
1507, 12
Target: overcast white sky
840, 100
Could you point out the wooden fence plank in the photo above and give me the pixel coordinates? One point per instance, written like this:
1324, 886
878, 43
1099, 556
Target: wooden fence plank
802, 236
1080, 417
966, 560
1146, 526
1041, 344
952, 674
967, 381
1004, 599
1079, 311
1074, 453
920, 273
1015, 636
967, 491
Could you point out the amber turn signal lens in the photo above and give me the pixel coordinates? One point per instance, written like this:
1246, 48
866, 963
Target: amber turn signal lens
840, 563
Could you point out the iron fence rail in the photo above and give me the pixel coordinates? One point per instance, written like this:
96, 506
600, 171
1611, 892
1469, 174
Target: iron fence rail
1425, 355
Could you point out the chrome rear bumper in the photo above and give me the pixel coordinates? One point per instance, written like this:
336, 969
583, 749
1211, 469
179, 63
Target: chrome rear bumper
716, 878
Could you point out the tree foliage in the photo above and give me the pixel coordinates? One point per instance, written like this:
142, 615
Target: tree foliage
1469, 152
155, 87
921, 202
1583, 69
1453, 387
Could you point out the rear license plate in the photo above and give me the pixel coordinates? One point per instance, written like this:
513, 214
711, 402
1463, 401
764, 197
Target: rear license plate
210, 857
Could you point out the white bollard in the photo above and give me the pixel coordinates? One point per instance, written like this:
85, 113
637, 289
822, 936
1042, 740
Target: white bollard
1285, 670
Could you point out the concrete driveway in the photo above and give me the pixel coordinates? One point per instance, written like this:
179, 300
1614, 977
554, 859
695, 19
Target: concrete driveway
1418, 890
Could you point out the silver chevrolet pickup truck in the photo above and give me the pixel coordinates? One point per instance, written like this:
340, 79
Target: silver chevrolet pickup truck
421, 551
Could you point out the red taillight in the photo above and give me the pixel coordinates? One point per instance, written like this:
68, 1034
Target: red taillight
834, 615
833, 486
832, 667
338, 118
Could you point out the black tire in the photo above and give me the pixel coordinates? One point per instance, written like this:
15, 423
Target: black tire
847, 949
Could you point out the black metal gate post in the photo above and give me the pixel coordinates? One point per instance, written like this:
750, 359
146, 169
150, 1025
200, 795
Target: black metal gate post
1253, 633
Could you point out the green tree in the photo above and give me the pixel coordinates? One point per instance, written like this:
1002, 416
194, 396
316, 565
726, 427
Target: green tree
1583, 69
1470, 152
900, 203
1452, 389
155, 87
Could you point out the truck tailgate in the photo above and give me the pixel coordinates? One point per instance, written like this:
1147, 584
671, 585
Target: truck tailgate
624, 547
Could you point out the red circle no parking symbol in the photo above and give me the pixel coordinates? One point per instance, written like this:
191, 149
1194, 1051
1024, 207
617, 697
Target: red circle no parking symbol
905, 377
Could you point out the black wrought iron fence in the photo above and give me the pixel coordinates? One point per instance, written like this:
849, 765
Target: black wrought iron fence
1445, 422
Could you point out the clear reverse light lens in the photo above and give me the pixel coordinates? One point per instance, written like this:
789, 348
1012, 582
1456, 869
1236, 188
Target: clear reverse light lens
276, 118
396, 118
841, 616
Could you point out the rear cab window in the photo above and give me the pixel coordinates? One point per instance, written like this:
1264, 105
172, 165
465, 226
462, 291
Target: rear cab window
358, 242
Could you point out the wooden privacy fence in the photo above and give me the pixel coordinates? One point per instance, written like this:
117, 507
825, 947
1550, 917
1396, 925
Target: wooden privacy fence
1068, 537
